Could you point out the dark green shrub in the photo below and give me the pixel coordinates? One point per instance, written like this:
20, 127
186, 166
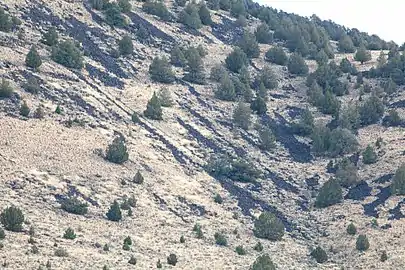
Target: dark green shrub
33, 59
267, 140
39, 113
106, 248
305, 125
195, 68
369, 155
98, 4
218, 199
217, 72
258, 247
351, 229
269, 226
172, 259
198, 230
69, 234
362, 243
24, 109
190, 17
125, 45
138, 178
249, 45
242, 116
182, 239
154, 108
12, 219
157, 8
226, 89
237, 8
240, 250
371, 110
263, 262
125, 6
347, 67
204, 14
329, 194
58, 110
276, 55
296, 65
159, 264
383, 256
268, 78
67, 54
161, 71
258, 105
334, 143
392, 119
132, 260
74, 206
220, 239
263, 34
165, 97
346, 173
2, 234
114, 213
113, 15
362, 55
319, 255
349, 117
398, 183
50, 37
236, 60
177, 57
126, 247
117, 151
128, 240
6, 90
32, 85
225, 4
321, 57
346, 45
5, 21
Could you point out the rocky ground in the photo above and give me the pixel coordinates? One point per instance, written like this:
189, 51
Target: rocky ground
42, 160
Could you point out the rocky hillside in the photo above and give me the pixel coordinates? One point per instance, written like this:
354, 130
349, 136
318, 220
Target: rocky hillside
181, 135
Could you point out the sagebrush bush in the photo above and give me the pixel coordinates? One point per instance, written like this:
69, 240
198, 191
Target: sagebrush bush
33, 59
220, 239
69, 234
6, 90
12, 218
61, 252
319, 255
263, 262
172, 259
351, 229
67, 54
240, 250
114, 213
362, 243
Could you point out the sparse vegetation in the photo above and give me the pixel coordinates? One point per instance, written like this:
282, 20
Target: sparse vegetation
157, 8
220, 239
67, 54
258, 247
242, 116
51, 37
351, 229
277, 56
125, 45
74, 206
69, 234
6, 90
398, 183
154, 108
362, 243
236, 60
61, 252
319, 255
132, 260
369, 155
24, 109
240, 250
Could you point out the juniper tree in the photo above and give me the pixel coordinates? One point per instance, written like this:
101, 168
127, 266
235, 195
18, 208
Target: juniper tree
369, 155
263, 262
249, 45
305, 125
329, 194
33, 59
67, 54
117, 151
154, 108
113, 15
125, 6
217, 72
258, 105
236, 60
319, 255
195, 67
213, 4
125, 45
50, 37
12, 219
177, 57
190, 17
267, 139
5, 21
24, 109
398, 183
362, 55
226, 89
268, 78
204, 14
161, 71
362, 243
269, 226
114, 213
263, 34
165, 97
296, 65
276, 55
225, 4
242, 115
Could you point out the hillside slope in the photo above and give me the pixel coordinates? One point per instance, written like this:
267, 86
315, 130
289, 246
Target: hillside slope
43, 161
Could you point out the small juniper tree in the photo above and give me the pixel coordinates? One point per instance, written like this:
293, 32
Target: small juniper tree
306, 124
330, 193
398, 183
351, 229
6, 90
125, 45
369, 155
240, 250
195, 67
161, 71
190, 17
165, 97
74, 206
319, 255
263, 262
217, 72
117, 151
177, 57
172, 259
24, 109
226, 89
296, 65
269, 226
236, 60
276, 55
69, 234
2, 234
154, 108
12, 219
258, 105
125, 6
258, 247
6, 23
267, 139
362, 55
138, 178
113, 15
33, 59
204, 14
50, 37
220, 239
249, 45
114, 213
242, 116
67, 54
132, 260
39, 113
263, 34
362, 243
